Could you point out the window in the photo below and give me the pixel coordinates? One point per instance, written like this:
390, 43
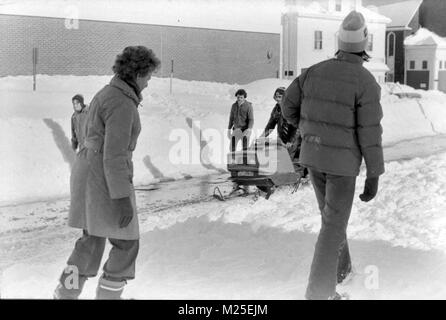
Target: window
338, 5
424, 64
318, 40
391, 44
370, 43
412, 65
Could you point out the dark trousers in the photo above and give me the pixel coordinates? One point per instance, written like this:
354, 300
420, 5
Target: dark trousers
331, 256
88, 252
236, 138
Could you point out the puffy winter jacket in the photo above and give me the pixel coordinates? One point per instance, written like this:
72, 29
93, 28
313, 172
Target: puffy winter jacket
336, 104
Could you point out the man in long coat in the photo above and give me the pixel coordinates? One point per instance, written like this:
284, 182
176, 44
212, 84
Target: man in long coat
102, 194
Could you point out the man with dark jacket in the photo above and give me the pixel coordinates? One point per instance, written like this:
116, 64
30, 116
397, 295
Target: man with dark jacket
336, 104
286, 132
241, 121
78, 122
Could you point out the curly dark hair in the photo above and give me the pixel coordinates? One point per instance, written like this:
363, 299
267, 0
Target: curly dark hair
135, 60
241, 92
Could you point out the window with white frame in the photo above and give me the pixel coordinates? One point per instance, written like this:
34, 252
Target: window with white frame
318, 40
338, 5
424, 64
412, 64
370, 43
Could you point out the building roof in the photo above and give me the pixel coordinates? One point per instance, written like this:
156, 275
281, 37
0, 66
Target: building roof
424, 37
246, 15
315, 9
401, 13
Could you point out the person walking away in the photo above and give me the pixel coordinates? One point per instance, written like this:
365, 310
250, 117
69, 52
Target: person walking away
102, 194
336, 104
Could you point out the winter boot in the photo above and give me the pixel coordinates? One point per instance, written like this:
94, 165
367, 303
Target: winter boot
109, 289
70, 286
346, 275
339, 296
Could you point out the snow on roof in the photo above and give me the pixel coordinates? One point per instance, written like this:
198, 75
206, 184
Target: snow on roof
424, 37
401, 13
247, 15
315, 8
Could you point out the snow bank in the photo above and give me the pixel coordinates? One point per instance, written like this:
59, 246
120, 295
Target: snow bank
35, 156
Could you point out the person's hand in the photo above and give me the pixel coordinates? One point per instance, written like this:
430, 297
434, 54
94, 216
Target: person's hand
229, 134
125, 209
247, 132
237, 133
288, 145
370, 189
74, 145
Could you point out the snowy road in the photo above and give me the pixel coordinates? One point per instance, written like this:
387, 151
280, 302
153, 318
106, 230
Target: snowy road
193, 247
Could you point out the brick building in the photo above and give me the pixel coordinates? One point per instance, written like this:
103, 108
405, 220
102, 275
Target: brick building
208, 52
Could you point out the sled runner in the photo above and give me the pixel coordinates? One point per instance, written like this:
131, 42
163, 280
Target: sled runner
266, 165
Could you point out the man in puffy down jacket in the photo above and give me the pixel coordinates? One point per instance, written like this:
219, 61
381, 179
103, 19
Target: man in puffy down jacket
336, 104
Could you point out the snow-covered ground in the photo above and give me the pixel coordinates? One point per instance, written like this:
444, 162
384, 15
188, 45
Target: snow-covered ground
249, 248
35, 154
193, 247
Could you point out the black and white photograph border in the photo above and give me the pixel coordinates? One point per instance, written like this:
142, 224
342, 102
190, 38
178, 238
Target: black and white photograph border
217, 150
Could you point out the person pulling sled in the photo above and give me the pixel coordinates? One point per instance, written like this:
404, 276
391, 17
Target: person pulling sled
288, 134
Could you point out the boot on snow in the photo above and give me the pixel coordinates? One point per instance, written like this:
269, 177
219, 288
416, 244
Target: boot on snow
109, 289
339, 296
70, 286
346, 275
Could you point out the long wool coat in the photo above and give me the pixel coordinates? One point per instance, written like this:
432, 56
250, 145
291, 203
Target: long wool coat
104, 170
336, 105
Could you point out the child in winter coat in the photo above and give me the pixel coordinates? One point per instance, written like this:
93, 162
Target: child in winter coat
78, 122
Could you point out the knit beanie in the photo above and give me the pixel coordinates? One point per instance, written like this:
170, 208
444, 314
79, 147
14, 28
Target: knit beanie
79, 98
353, 33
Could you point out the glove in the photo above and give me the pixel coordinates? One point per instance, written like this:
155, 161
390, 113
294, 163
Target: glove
229, 134
370, 189
124, 207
